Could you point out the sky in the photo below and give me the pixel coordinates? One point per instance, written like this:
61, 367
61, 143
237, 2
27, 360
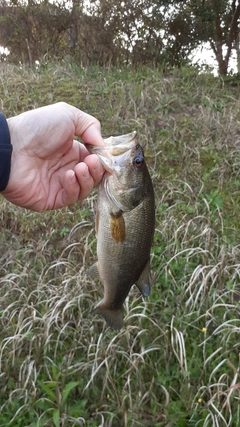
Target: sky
205, 55
4, 50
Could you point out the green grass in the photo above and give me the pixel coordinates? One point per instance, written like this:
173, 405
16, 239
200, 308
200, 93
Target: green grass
176, 361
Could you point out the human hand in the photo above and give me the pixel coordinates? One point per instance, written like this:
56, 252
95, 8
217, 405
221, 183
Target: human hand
49, 168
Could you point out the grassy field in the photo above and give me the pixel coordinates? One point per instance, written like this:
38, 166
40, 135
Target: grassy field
176, 361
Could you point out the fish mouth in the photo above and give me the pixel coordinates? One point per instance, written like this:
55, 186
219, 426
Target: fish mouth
126, 141
116, 152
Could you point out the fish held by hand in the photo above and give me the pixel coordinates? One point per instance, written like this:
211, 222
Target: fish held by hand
125, 223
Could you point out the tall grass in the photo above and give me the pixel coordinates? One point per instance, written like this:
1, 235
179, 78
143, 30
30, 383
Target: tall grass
176, 361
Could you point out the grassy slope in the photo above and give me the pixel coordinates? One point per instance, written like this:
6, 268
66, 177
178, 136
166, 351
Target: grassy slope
176, 361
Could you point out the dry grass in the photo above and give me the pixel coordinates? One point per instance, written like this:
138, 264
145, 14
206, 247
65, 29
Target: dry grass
176, 361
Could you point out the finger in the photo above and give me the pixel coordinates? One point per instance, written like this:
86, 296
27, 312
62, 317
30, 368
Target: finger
70, 192
95, 168
85, 180
83, 152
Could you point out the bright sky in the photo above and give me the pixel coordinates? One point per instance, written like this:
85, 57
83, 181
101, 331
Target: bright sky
205, 55
4, 50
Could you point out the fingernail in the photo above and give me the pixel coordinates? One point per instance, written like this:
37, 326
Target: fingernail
73, 177
86, 173
98, 165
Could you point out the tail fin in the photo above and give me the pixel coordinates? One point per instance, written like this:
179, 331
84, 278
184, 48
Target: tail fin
114, 318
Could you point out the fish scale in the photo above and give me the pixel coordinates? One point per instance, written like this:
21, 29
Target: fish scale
125, 223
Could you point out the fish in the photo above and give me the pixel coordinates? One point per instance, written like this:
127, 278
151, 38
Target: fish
124, 224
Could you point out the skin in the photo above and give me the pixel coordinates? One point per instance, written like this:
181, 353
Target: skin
49, 168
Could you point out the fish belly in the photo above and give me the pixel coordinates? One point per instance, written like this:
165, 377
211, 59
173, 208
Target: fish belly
121, 261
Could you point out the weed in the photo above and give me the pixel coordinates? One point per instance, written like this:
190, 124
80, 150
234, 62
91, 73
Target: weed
176, 361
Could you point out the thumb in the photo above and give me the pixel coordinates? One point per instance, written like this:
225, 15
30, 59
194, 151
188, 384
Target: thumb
87, 127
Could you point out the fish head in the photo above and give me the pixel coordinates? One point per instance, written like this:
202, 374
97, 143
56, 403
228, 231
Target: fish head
115, 150
126, 180
126, 186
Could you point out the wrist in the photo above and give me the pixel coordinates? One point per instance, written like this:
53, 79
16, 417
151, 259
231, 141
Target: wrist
5, 152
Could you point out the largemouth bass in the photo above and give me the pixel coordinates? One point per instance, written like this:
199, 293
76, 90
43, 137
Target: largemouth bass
125, 222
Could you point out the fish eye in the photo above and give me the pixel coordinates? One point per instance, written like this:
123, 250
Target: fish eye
138, 161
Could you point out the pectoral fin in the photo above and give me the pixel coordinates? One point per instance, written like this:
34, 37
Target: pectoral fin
117, 225
144, 281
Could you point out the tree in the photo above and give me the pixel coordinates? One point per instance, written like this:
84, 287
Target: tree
216, 22
34, 29
112, 32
